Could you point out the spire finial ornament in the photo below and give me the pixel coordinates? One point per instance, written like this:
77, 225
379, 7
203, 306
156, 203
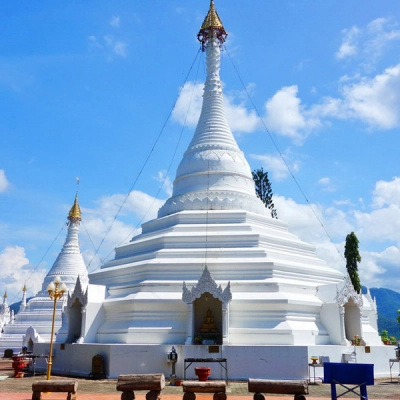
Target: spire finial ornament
212, 25
74, 215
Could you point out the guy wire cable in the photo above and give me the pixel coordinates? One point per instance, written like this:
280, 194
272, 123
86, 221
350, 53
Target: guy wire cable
145, 162
281, 155
170, 164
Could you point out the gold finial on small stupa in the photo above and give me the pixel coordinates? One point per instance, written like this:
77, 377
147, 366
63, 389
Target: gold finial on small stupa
24, 288
212, 24
5, 295
75, 212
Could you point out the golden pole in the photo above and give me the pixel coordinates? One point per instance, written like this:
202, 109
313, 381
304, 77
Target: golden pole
55, 293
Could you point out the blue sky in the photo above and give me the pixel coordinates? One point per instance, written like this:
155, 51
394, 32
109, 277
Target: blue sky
87, 89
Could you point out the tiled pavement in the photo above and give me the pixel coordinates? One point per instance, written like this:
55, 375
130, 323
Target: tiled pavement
21, 389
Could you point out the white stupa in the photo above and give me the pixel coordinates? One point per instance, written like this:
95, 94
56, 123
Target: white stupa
5, 313
215, 275
214, 227
33, 322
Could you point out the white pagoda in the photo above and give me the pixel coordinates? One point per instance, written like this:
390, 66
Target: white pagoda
215, 273
6, 316
214, 227
32, 324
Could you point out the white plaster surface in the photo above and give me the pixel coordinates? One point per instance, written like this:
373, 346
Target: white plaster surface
269, 362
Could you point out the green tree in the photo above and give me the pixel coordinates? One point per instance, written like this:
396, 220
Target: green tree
264, 190
352, 259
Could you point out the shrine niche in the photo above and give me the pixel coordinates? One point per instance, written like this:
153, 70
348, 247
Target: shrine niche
207, 317
350, 304
208, 325
74, 314
75, 322
29, 346
30, 338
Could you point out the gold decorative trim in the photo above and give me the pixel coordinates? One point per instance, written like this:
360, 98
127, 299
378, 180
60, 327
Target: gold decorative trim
211, 26
75, 212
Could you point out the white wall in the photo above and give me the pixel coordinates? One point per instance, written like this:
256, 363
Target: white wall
94, 311
271, 362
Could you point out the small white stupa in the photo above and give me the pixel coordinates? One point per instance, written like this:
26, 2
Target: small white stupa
33, 322
5, 314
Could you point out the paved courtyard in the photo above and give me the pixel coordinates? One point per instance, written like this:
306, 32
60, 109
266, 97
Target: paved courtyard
21, 389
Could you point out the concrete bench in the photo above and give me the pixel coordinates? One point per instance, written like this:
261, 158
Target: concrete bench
297, 387
190, 388
154, 383
58, 386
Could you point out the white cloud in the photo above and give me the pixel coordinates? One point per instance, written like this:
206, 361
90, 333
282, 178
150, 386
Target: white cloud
369, 42
324, 181
108, 44
4, 184
94, 43
12, 259
387, 193
275, 165
16, 271
164, 179
380, 225
379, 34
346, 202
378, 267
374, 101
326, 184
188, 106
102, 226
309, 220
348, 47
374, 267
115, 21
118, 47
105, 234
239, 118
286, 116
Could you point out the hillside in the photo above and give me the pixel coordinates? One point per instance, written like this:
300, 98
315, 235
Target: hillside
388, 302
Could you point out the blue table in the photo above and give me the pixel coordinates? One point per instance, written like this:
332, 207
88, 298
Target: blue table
358, 375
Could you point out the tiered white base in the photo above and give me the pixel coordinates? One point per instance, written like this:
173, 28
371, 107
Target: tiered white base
39, 315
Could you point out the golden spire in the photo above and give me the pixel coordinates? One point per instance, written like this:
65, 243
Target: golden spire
75, 212
24, 288
212, 24
212, 19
